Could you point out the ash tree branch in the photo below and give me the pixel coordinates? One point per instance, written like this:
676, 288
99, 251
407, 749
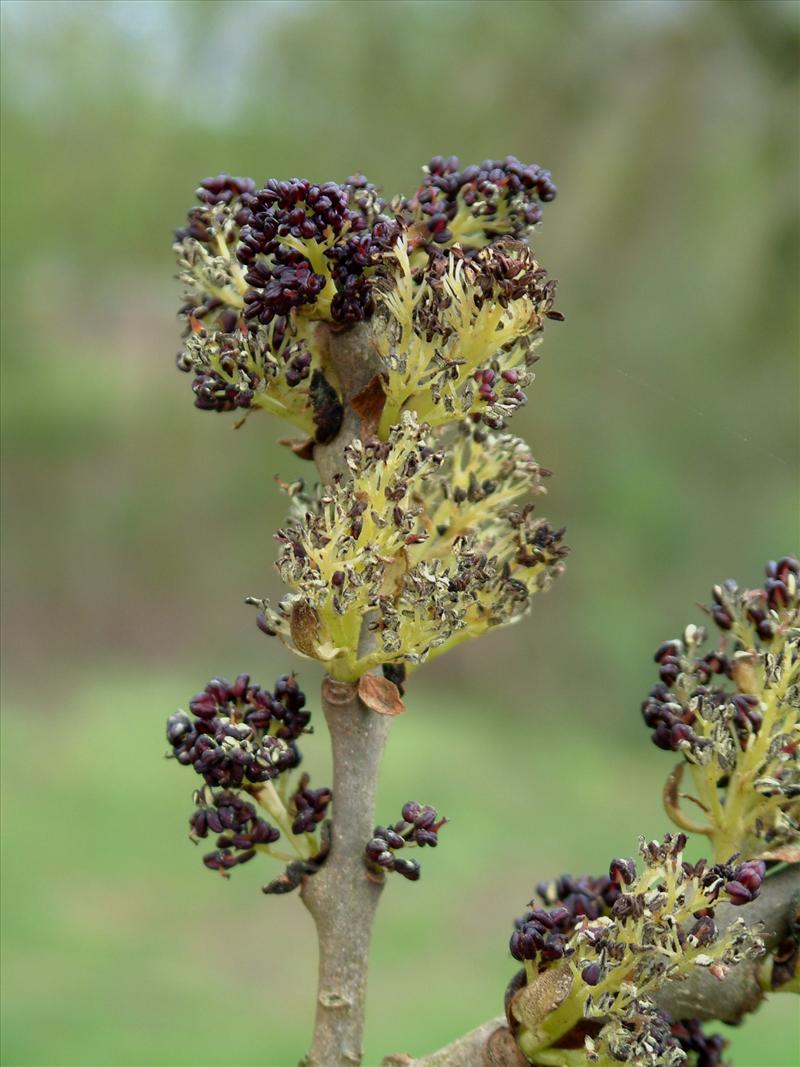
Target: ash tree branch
700, 997
341, 897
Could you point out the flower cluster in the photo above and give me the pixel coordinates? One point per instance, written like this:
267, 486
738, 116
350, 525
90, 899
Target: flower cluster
212, 279
291, 226
430, 544
262, 370
474, 206
460, 339
240, 731
545, 934
240, 828
459, 300
544, 931
608, 944
734, 715
310, 248
308, 806
648, 1036
275, 365
241, 738
419, 825
428, 536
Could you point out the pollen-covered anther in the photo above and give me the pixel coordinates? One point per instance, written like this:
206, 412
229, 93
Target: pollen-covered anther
474, 205
625, 935
212, 279
460, 339
733, 714
431, 542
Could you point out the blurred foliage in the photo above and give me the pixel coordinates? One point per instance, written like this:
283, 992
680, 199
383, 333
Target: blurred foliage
133, 525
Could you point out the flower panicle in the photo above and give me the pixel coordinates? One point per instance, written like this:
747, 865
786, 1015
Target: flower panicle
733, 714
608, 944
310, 249
649, 1037
241, 739
418, 826
213, 283
276, 365
456, 298
432, 541
475, 205
460, 338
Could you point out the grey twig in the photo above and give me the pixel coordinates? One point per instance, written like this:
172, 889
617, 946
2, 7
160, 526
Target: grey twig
342, 897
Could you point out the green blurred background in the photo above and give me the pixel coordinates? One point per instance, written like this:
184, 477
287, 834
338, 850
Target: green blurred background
134, 525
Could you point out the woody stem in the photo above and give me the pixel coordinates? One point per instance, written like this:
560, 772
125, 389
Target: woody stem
341, 897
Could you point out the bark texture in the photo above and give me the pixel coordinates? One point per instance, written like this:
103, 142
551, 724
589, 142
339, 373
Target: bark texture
699, 997
342, 897
489, 1045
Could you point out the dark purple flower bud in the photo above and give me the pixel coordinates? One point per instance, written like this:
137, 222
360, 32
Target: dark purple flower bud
198, 823
721, 617
375, 848
239, 687
426, 837
394, 840
204, 706
668, 648
586, 905
751, 874
542, 917
669, 670
213, 820
738, 893
425, 818
219, 689
525, 943
681, 732
408, 868
179, 726
264, 834
553, 948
